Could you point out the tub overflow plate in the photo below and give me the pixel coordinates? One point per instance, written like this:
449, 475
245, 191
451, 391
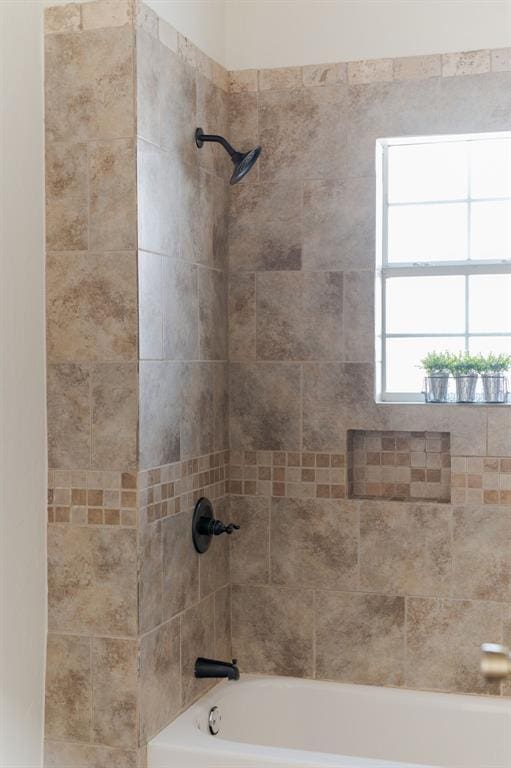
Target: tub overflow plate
214, 719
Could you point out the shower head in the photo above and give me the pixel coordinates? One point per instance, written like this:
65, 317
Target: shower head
242, 161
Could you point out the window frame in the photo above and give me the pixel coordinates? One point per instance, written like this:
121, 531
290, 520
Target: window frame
384, 270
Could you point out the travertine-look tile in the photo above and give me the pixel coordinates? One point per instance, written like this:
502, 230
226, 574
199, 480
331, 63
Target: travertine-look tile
482, 554
339, 224
499, 432
66, 197
265, 406
150, 577
265, 227
244, 126
358, 316
280, 79
250, 551
114, 685
466, 63
158, 199
65, 18
221, 406
69, 432
314, 543
89, 85
62, 754
91, 306
168, 35
324, 74
114, 416
178, 106
197, 409
501, 60
405, 548
370, 71
150, 306
197, 639
160, 678
180, 310
212, 117
212, 314
468, 431
149, 87
272, 630
443, 643
360, 638
203, 239
180, 565
299, 315
417, 67
109, 13
159, 413
92, 581
223, 649
146, 19
112, 198
243, 80
68, 688
242, 318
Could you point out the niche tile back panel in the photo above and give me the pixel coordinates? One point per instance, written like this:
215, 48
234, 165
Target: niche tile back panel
399, 465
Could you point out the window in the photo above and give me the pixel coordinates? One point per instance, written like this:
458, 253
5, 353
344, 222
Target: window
444, 252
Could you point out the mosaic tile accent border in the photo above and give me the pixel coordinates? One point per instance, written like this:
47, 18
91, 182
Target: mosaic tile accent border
83, 497
291, 474
481, 480
372, 71
174, 488
406, 466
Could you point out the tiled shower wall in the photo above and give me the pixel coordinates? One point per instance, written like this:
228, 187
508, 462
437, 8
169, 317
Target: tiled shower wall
366, 591
137, 379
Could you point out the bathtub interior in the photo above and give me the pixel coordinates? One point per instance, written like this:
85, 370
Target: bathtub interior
359, 722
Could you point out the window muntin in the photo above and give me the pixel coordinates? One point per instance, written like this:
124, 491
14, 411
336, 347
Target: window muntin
445, 255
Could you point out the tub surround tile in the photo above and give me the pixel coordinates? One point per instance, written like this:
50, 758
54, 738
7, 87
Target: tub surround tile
280, 79
114, 683
370, 71
223, 646
244, 125
150, 306
68, 688
150, 579
197, 639
360, 638
250, 552
69, 416
180, 310
62, 754
417, 67
106, 14
466, 63
212, 314
324, 74
243, 80
160, 678
443, 644
501, 60
114, 395
180, 565
242, 317
159, 414
60, 19
272, 630
66, 196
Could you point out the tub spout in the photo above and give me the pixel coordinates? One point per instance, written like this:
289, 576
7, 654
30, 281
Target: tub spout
214, 668
495, 661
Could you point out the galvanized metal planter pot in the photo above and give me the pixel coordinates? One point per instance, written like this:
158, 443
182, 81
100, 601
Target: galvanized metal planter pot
494, 387
436, 388
466, 388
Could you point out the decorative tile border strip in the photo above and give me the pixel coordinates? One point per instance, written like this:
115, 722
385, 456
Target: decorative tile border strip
476, 480
406, 466
174, 488
86, 497
283, 473
368, 71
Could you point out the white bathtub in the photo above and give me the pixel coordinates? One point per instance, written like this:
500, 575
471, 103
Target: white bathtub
283, 721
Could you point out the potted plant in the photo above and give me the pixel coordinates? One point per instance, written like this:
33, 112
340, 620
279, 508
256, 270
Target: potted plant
437, 367
493, 371
465, 369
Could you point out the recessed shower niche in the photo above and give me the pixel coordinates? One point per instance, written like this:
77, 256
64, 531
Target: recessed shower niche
404, 466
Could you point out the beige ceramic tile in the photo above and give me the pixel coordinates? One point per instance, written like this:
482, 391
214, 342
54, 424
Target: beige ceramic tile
92, 582
212, 314
499, 432
168, 35
324, 74
280, 79
358, 316
159, 413
114, 416
66, 196
146, 19
242, 325
272, 630
160, 678
244, 126
250, 548
107, 13
149, 86
197, 639
360, 638
243, 80
501, 60
370, 71
150, 306
180, 565
466, 63
150, 577
314, 543
114, 684
443, 643
223, 649
221, 406
91, 307
112, 196
65, 18
69, 431
417, 67
405, 548
197, 414
68, 688
62, 754
180, 310
158, 196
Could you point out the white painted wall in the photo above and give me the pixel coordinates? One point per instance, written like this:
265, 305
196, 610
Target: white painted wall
280, 33
202, 21
22, 387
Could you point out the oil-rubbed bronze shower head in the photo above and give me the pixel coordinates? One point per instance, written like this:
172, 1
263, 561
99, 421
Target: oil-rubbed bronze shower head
242, 161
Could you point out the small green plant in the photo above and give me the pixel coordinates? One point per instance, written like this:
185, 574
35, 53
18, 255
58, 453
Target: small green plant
464, 364
437, 363
492, 364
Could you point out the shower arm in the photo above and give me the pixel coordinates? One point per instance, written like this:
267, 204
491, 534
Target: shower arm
201, 137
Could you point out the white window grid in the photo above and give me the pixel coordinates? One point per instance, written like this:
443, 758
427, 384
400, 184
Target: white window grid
464, 268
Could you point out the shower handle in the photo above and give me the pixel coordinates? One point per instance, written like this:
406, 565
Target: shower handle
495, 661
